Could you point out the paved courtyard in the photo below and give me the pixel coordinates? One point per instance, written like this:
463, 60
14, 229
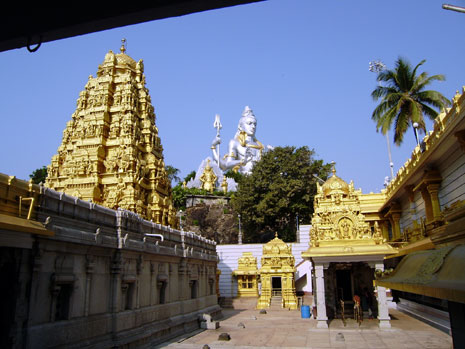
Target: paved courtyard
286, 329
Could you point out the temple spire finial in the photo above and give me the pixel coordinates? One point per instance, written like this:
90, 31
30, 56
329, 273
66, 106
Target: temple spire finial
123, 45
333, 164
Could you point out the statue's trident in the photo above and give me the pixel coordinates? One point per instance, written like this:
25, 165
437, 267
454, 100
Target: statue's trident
218, 126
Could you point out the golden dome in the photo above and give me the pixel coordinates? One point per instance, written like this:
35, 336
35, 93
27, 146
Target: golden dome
335, 185
276, 246
122, 58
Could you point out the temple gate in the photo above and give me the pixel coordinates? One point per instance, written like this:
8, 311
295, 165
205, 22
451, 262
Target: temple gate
345, 251
277, 275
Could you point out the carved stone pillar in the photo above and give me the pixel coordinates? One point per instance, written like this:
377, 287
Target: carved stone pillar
139, 268
182, 280
116, 266
383, 311
396, 226
89, 271
394, 214
322, 318
411, 199
385, 230
433, 190
429, 187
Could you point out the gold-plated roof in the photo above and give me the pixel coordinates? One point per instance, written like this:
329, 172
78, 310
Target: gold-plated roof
111, 152
339, 228
276, 247
335, 184
124, 59
277, 255
246, 265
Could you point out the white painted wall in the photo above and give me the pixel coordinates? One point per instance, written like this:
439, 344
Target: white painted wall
229, 254
452, 169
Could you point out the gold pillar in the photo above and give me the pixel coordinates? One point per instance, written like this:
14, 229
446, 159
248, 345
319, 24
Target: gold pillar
396, 226
433, 190
385, 229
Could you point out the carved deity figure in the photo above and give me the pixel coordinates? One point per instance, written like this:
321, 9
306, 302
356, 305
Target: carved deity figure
208, 178
244, 149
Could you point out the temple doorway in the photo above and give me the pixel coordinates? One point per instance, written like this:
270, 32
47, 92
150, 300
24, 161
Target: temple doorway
276, 285
344, 284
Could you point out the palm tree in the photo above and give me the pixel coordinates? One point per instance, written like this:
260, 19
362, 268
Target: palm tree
404, 99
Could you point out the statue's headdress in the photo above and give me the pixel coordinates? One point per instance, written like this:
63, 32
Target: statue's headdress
248, 113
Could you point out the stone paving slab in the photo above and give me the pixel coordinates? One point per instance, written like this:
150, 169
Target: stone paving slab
286, 329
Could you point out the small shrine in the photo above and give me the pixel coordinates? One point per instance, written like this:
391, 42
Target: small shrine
247, 275
111, 153
345, 250
277, 275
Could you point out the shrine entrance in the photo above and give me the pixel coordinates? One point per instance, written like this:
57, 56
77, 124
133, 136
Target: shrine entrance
276, 289
277, 275
344, 285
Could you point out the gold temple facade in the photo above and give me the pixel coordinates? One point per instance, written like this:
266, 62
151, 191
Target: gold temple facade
346, 248
247, 276
277, 275
110, 152
339, 225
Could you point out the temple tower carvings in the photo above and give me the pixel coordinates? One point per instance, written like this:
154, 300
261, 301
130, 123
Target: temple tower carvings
110, 152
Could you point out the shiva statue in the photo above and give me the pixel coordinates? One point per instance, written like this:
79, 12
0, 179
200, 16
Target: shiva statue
244, 149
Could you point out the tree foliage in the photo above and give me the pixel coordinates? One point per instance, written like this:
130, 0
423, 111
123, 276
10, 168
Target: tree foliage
404, 99
172, 173
180, 195
280, 187
190, 176
39, 175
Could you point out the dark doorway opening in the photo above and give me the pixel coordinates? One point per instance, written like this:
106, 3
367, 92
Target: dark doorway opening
276, 285
344, 285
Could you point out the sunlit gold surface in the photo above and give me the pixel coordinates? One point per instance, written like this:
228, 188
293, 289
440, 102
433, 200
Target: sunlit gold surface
208, 178
12, 192
339, 226
110, 151
247, 275
277, 261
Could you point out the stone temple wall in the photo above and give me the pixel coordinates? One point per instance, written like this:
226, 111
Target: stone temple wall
95, 277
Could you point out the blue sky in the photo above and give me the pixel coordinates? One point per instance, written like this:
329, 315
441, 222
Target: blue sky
301, 65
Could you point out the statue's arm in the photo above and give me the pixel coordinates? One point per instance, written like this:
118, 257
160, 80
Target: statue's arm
214, 148
232, 159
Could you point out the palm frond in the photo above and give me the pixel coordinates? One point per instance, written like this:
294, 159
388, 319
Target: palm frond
401, 125
435, 98
414, 72
428, 111
403, 100
426, 81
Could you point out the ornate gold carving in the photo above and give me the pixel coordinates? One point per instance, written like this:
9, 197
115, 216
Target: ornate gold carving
247, 275
277, 261
208, 178
338, 225
110, 151
338, 215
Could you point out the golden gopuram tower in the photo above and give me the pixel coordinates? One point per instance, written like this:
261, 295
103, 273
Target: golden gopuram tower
110, 152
